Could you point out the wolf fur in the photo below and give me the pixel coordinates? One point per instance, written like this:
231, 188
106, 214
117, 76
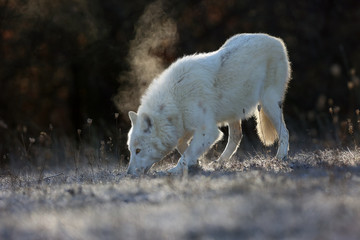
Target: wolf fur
184, 105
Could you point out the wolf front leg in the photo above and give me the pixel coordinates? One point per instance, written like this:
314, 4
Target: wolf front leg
203, 139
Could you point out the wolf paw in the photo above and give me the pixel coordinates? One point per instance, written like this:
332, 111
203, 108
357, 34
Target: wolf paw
217, 165
179, 169
281, 156
194, 169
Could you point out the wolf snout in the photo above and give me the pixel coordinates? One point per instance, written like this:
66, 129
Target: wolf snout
136, 171
129, 171
132, 171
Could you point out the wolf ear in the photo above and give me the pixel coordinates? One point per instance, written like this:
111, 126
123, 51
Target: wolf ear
133, 117
147, 123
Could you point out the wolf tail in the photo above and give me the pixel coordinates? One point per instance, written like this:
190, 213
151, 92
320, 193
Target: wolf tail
265, 128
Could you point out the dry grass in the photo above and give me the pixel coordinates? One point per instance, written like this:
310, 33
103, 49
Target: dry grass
313, 195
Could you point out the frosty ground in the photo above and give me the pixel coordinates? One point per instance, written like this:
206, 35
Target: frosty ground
312, 195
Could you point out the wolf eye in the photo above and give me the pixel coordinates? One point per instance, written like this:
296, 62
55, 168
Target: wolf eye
138, 150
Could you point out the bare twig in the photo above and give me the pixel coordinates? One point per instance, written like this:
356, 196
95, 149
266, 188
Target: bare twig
56, 175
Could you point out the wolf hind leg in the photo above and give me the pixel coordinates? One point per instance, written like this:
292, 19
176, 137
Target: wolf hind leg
234, 139
272, 107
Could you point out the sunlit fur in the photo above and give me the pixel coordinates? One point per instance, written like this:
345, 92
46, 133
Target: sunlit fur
247, 76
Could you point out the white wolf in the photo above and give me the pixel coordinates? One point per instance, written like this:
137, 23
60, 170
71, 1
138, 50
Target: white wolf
185, 104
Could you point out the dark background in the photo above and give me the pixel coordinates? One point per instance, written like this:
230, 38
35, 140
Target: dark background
64, 62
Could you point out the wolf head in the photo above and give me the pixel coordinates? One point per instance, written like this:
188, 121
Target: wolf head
146, 142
